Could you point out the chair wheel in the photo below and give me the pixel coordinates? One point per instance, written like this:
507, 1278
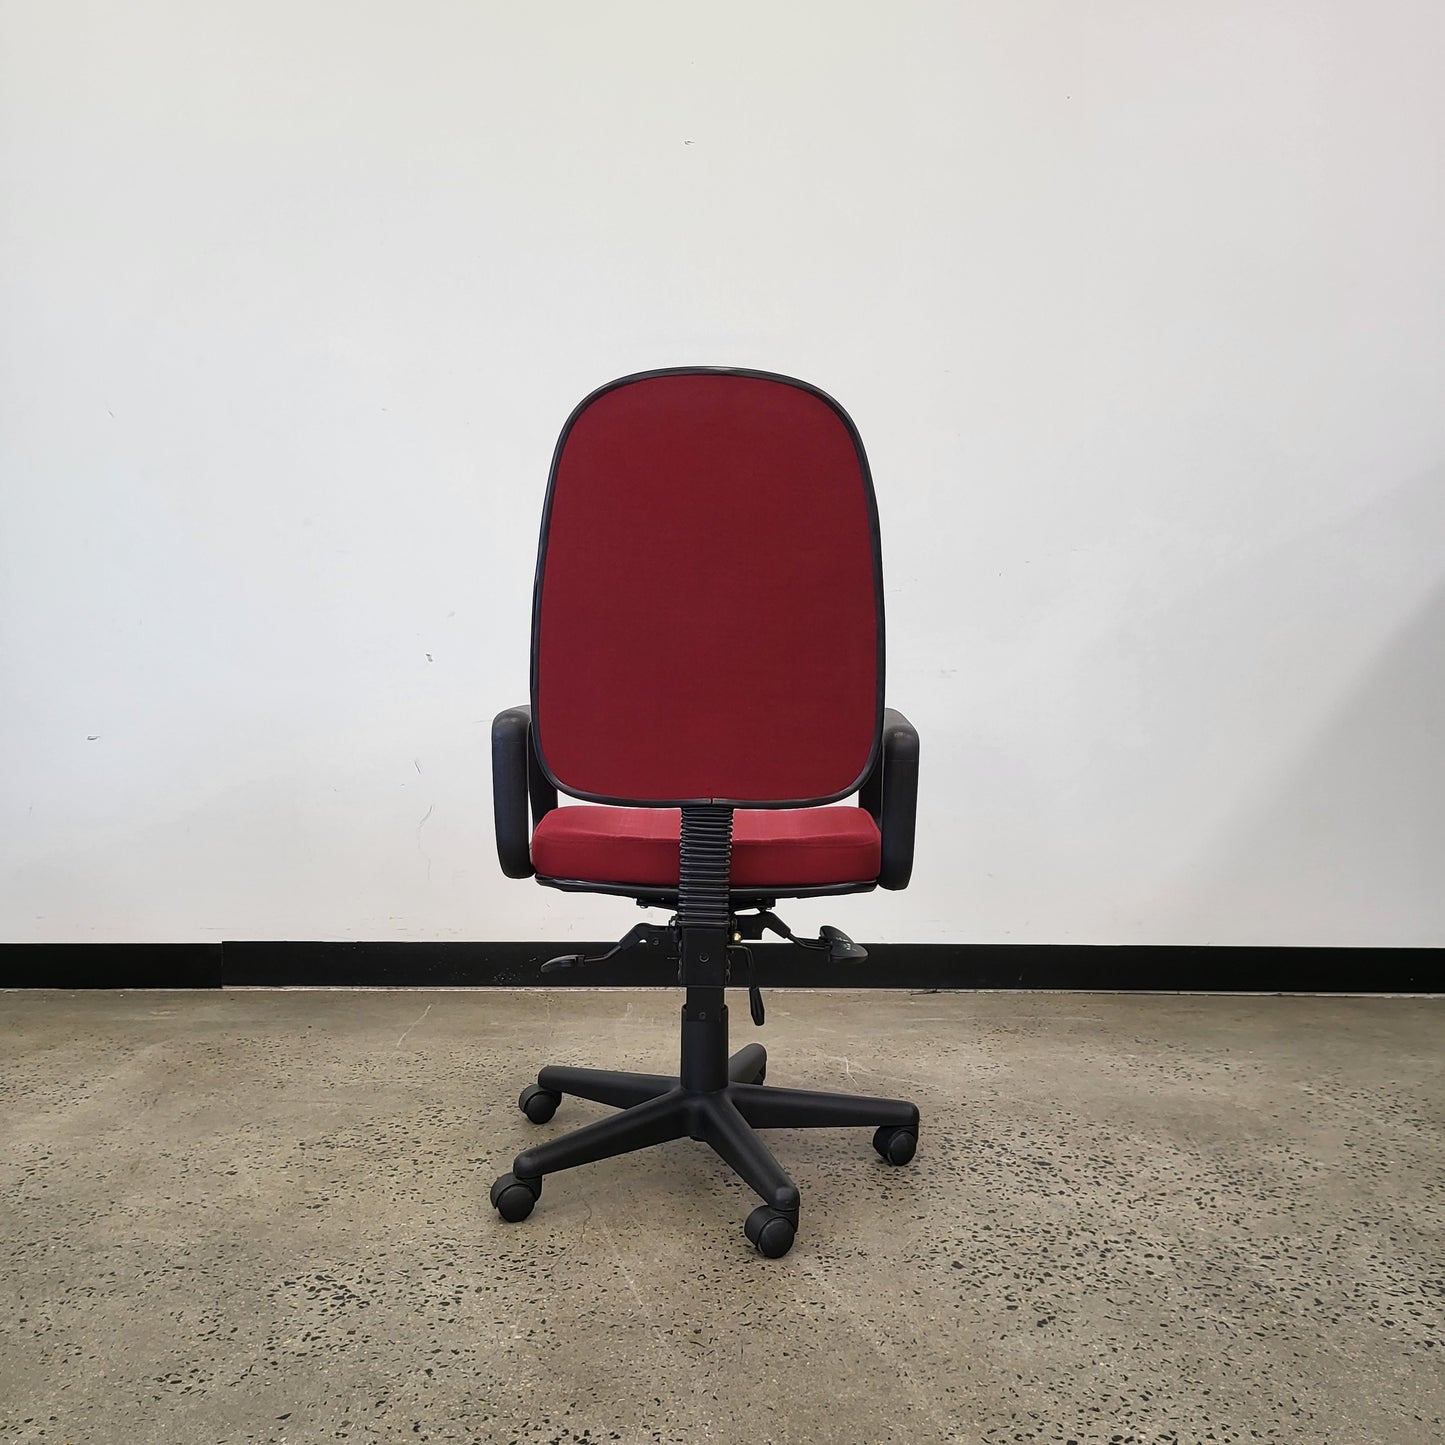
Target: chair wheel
538, 1104
762, 1073
770, 1232
896, 1144
513, 1198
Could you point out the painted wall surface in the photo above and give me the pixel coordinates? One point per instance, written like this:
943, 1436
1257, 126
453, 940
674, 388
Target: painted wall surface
1140, 310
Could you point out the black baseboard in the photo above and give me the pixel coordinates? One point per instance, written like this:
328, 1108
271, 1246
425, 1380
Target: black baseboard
779, 965
111, 965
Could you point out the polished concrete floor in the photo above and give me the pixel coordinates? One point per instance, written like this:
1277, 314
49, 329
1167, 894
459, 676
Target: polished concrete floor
263, 1217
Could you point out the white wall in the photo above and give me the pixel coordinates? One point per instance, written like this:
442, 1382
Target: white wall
1140, 309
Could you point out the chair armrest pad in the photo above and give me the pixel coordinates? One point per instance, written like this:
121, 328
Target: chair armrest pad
890, 794
517, 781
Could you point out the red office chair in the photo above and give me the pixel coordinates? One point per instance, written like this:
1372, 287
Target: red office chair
707, 670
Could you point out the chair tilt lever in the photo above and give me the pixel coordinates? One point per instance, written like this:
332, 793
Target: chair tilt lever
840, 948
641, 935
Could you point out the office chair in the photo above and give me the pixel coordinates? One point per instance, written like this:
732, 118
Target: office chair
707, 674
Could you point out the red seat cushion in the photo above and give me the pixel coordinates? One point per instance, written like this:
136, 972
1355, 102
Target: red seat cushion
772, 848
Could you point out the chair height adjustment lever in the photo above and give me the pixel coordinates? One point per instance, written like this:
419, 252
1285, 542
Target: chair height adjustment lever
841, 948
755, 994
833, 941
646, 935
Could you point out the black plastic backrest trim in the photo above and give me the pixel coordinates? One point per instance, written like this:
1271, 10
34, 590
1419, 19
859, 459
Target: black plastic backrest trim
872, 503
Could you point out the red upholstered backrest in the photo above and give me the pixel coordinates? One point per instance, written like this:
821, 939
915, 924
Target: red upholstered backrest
708, 621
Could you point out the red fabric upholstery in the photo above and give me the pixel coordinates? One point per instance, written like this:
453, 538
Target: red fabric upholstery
774, 848
708, 621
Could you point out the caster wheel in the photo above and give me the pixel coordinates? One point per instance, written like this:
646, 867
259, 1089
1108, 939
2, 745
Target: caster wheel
762, 1074
513, 1198
896, 1145
770, 1232
538, 1104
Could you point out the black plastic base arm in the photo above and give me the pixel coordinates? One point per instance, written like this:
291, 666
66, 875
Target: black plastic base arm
656, 1108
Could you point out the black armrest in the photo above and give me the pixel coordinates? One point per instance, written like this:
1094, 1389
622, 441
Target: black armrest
890, 794
517, 781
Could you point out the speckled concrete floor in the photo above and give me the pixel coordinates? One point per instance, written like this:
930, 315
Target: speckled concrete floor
262, 1217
